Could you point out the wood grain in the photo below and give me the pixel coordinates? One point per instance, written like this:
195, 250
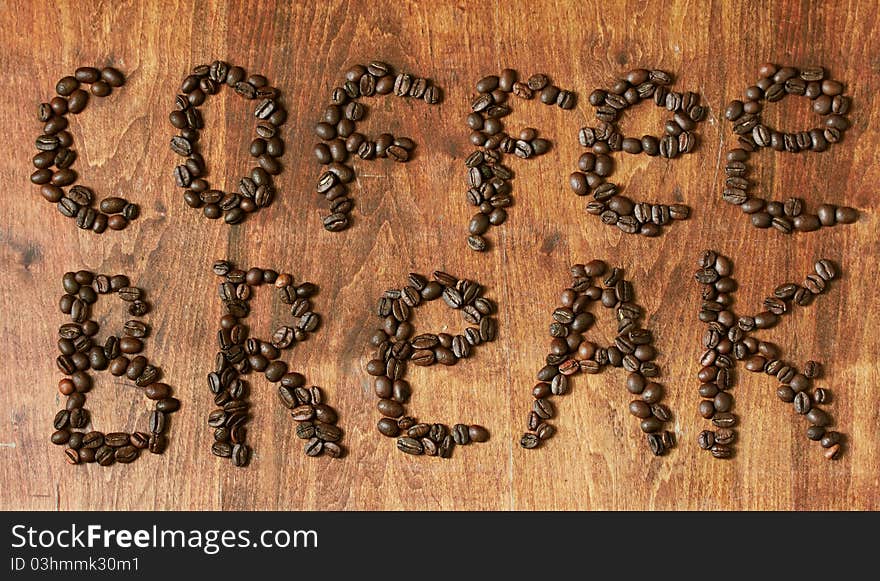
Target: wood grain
412, 217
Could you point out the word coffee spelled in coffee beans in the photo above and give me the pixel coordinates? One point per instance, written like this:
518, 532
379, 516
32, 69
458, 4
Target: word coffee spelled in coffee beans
241, 354
340, 140
55, 154
570, 354
828, 101
729, 339
488, 179
596, 165
256, 190
397, 345
120, 354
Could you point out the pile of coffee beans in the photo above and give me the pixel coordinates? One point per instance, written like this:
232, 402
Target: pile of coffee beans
488, 180
55, 150
240, 354
729, 339
120, 354
340, 139
596, 165
397, 345
255, 191
829, 102
570, 353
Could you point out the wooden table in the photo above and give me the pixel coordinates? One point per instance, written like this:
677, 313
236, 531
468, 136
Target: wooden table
413, 217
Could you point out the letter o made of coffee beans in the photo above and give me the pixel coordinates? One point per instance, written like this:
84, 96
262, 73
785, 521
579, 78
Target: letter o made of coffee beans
56, 156
341, 141
80, 352
241, 354
745, 116
255, 191
398, 345
596, 166
489, 181
571, 353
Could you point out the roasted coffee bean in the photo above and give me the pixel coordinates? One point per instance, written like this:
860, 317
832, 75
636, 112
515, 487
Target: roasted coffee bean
721, 451
240, 455
724, 420
826, 270
818, 417
62, 419
706, 439
157, 443
75, 401
410, 445
802, 403
72, 455
105, 455
168, 405
461, 434
157, 422
530, 441
117, 439
478, 433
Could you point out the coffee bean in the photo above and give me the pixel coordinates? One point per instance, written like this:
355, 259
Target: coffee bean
240, 455
721, 451
830, 439
802, 403
706, 439
157, 443
157, 422
461, 434
117, 439
817, 417
410, 446
815, 433
826, 270
530, 441
478, 433
72, 456
724, 420
105, 455
168, 405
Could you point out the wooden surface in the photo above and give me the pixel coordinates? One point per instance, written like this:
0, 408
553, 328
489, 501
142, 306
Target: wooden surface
412, 217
